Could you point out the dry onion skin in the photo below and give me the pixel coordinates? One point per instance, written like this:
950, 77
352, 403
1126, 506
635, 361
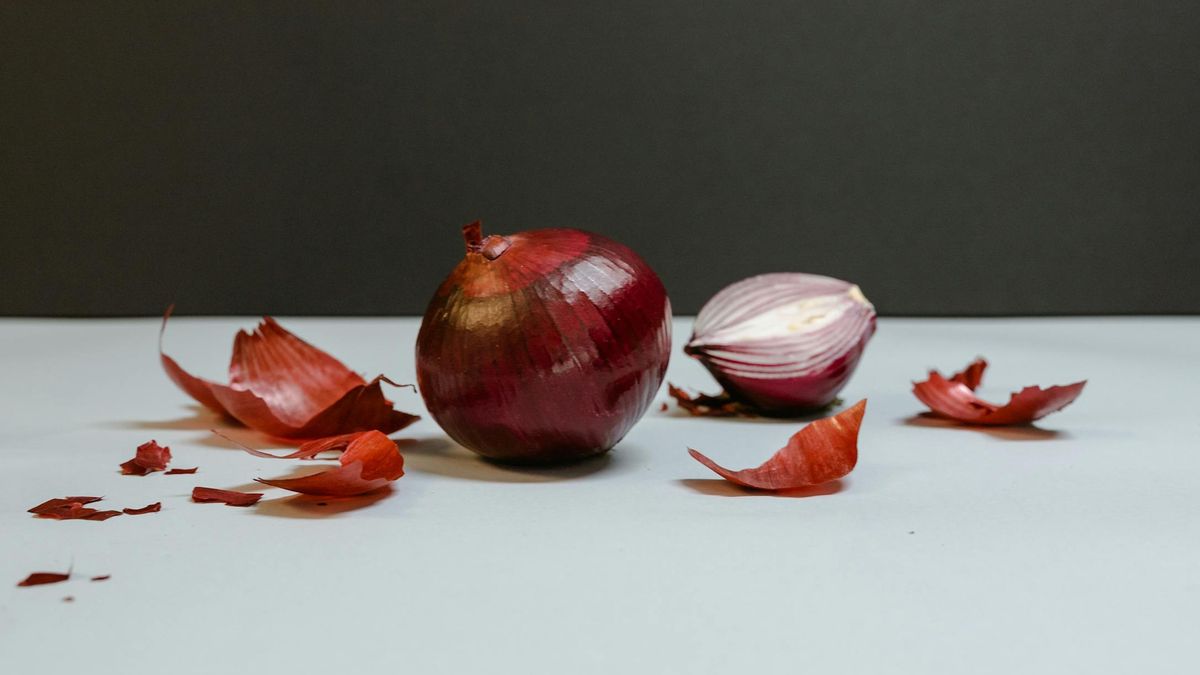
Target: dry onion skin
783, 344
369, 461
72, 508
149, 457
208, 495
823, 451
42, 578
954, 398
543, 346
286, 388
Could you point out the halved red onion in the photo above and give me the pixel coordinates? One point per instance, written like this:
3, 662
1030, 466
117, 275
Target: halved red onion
784, 343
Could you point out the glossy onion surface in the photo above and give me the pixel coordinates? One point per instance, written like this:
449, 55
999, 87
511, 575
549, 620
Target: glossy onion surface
784, 343
543, 346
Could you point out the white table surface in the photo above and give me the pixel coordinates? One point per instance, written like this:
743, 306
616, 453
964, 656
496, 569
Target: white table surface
1070, 549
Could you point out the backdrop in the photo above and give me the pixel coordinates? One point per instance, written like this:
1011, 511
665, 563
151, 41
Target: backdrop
953, 157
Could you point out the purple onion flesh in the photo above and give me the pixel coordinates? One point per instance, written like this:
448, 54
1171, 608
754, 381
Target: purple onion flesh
784, 343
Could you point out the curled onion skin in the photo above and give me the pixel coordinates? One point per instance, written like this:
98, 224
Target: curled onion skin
784, 343
543, 346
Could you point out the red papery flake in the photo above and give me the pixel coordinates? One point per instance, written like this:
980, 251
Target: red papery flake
955, 399
821, 452
705, 405
39, 578
283, 386
151, 508
71, 508
227, 497
371, 460
149, 457
176, 472
102, 577
972, 375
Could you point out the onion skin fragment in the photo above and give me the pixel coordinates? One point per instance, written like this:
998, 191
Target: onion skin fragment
955, 399
369, 461
784, 344
288, 389
821, 452
543, 346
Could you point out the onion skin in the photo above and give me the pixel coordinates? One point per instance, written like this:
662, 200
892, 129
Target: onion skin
788, 373
544, 346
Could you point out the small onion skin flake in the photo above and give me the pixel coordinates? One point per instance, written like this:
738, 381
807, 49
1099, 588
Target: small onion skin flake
71, 508
228, 497
821, 452
41, 578
150, 508
785, 343
706, 405
954, 398
286, 388
150, 457
543, 346
371, 461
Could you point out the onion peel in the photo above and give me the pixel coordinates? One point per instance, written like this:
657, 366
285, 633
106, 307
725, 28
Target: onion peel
369, 462
71, 508
284, 387
227, 497
954, 398
150, 456
150, 508
822, 451
40, 578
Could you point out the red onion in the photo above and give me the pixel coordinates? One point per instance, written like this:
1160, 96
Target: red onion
784, 343
543, 346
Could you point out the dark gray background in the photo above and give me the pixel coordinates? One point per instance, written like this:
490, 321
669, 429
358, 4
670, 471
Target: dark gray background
957, 157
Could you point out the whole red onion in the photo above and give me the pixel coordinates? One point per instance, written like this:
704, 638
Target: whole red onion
543, 346
783, 343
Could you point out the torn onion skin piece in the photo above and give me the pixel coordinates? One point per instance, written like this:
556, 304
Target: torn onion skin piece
227, 497
705, 405
58, 504
180, 472
823, 451
972, 375
150, 508
102, 577
371, 461
150, 456
725, 405
41, 578
289, 389
955, 399
71, 508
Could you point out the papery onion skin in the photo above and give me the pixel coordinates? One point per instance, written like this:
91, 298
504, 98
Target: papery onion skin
808, 358
543, 346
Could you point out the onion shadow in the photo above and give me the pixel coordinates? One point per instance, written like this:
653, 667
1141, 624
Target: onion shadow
205, 420
1025, 432
312, 506
440, 456
201, 419
718, 487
